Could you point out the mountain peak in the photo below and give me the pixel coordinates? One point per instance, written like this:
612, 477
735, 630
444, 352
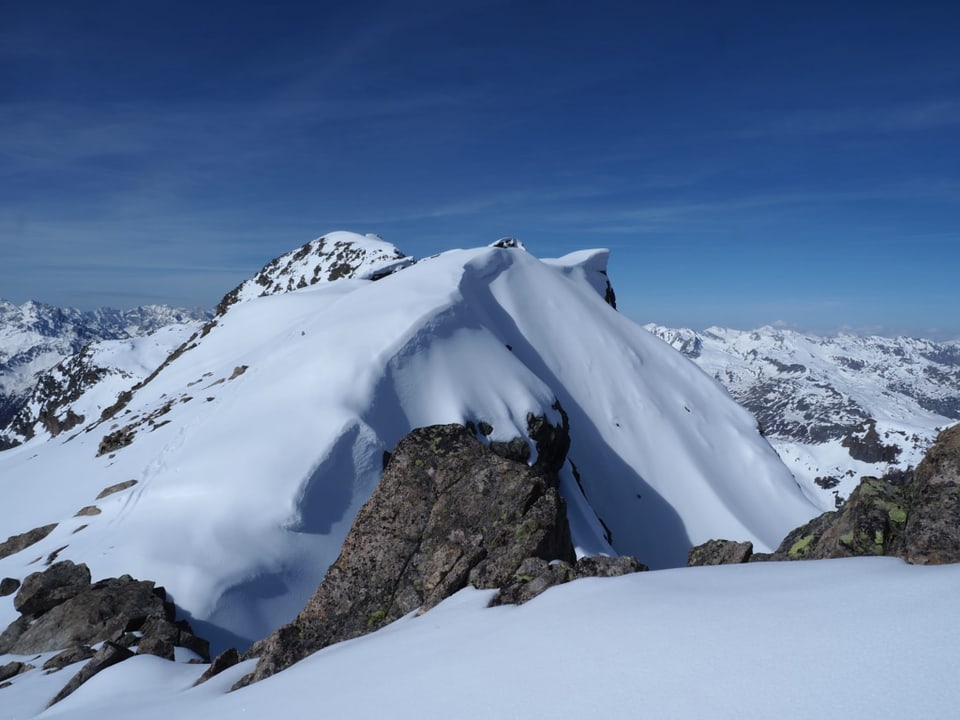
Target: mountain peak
334, 256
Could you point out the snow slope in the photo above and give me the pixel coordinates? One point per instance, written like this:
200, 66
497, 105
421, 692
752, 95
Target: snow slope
835, 408
255, 444
859, 638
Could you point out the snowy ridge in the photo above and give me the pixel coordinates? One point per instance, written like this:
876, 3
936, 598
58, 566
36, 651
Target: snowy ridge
834, 408
254, 450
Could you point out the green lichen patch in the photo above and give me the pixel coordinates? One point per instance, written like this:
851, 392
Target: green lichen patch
801, 546
897, 514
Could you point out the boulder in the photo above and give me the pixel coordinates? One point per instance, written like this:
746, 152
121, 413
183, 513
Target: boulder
44, 590
720, 552
449, 512
156, 646
101, 612
8, 586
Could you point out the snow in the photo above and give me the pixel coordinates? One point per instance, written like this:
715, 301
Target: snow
853, 638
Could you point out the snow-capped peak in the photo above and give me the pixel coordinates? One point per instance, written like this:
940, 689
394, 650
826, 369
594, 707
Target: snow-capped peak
330, 257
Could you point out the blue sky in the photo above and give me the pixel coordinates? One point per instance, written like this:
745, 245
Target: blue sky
747, 163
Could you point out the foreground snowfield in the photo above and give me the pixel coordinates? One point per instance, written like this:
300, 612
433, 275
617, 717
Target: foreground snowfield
854, 638
254, 450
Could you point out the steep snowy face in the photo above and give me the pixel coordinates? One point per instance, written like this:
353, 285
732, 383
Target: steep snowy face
835, 408
254, 445
331, 257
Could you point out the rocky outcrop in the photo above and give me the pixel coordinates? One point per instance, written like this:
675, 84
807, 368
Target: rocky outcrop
918, 521
720, 552
61, 608
449, 512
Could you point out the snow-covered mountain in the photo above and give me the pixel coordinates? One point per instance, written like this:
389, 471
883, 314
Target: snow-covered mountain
34, 337
835, 408
255, 443
228, 463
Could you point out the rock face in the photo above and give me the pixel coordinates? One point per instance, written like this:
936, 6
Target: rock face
448, 513
918, 521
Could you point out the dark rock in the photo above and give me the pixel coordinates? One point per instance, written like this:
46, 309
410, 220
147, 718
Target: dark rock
536, 575
932, 534
126, 639
8, 586
155, 646
16, 543
227, 659
12, 669
161, 629
198, 645
869, 448
42, 591
720, 552
605, 567
88, 510
68, 657
448, 512
101, 612
109, 654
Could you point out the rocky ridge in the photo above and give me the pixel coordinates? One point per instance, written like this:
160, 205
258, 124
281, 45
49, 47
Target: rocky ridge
916, 518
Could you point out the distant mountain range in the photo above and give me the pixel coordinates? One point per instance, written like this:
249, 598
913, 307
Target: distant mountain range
34, 337
835, 408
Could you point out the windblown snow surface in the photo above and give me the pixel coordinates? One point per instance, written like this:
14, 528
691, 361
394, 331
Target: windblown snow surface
254, 447
859, 638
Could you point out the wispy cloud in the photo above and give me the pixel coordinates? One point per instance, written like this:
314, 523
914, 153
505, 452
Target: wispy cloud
893, 118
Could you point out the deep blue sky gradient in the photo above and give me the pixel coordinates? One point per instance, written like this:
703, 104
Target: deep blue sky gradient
747, 163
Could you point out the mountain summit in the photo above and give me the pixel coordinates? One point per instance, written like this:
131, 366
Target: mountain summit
245, 455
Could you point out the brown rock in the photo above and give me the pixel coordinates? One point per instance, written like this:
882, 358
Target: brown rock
448, 512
